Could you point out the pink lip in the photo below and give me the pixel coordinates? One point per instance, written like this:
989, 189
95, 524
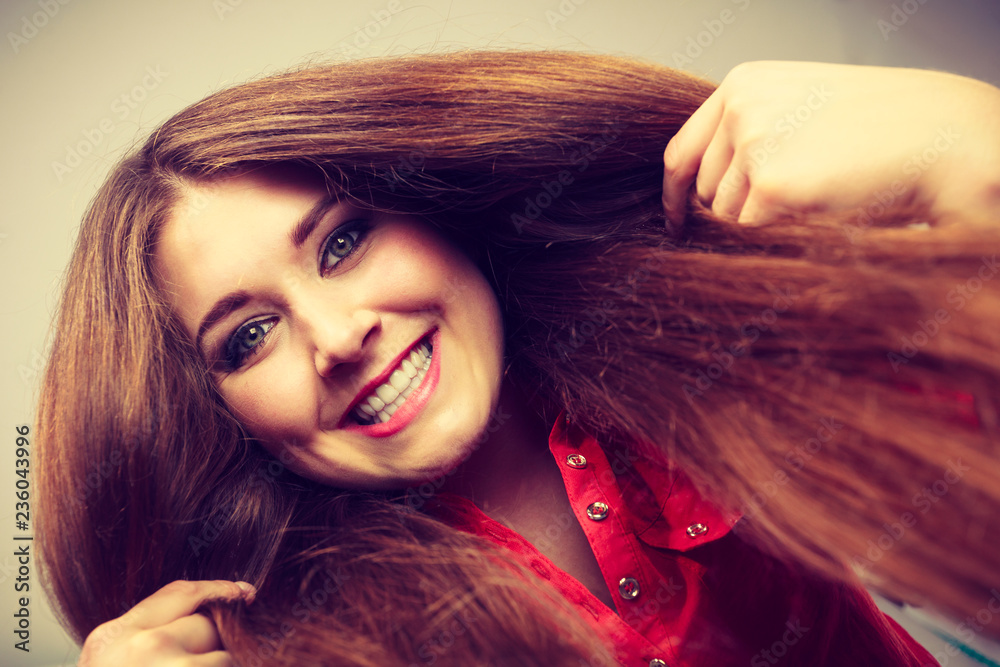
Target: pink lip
414, 403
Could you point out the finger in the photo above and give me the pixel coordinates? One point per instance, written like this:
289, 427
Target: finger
195, 633
752, 211
177, 599
714, 165
731, 194
213, 659
683, 154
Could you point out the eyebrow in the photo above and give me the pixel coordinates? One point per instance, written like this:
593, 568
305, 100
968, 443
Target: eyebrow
222, 307
308, 223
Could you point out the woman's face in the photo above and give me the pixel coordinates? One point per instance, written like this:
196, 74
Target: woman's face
365, 343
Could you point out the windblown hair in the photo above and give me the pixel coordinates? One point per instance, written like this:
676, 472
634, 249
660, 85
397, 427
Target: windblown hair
729, 348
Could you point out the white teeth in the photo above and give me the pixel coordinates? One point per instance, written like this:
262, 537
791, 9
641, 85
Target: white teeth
399, 380
387, 393
391, 395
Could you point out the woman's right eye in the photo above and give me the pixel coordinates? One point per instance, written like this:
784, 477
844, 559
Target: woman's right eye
247, 340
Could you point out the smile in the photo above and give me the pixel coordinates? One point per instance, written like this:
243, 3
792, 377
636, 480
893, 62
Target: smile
398, 397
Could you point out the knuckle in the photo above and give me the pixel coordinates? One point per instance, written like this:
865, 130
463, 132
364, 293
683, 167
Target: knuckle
100, 638
148, 643
742, 73
671, 155
181, 586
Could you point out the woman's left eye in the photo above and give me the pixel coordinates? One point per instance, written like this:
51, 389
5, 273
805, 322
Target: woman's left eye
342, 243
246, 341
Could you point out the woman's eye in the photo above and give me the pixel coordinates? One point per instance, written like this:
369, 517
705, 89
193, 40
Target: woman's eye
246, 341
341, 243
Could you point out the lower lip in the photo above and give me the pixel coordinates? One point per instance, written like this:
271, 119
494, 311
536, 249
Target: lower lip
415, 402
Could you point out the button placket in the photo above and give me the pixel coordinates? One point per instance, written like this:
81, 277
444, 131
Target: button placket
593, 491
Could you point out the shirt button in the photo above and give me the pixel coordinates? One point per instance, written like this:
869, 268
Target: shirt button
696, 530
656, 662
597, 511
628, 588
576, 461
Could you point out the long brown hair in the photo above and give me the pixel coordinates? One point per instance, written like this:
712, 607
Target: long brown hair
828, 379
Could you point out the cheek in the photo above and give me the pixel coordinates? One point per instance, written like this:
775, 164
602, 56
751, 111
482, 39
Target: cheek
416, 265
275, 403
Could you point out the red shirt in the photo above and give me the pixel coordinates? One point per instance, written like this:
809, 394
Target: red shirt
679, 575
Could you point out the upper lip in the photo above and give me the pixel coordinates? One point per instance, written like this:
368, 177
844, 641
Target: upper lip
383, 377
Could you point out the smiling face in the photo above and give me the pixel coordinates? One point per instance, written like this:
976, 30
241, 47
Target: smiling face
364, 342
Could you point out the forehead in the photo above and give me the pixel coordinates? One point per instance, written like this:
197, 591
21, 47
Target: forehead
222, 233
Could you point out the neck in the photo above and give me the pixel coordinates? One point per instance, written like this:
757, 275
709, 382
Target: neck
512, 464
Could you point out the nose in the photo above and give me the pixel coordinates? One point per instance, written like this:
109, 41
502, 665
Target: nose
340, 336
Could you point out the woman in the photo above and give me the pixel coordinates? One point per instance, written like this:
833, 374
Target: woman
214, 389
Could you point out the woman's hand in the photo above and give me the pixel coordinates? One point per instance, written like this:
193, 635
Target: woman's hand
163, 629
800, 137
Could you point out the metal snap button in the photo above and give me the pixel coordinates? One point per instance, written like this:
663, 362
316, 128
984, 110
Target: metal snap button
597, 511
628, 588
697, 530
576, 461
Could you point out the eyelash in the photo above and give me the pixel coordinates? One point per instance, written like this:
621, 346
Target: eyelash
232, 357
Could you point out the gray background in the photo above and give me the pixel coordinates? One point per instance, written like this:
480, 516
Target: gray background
78, 76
